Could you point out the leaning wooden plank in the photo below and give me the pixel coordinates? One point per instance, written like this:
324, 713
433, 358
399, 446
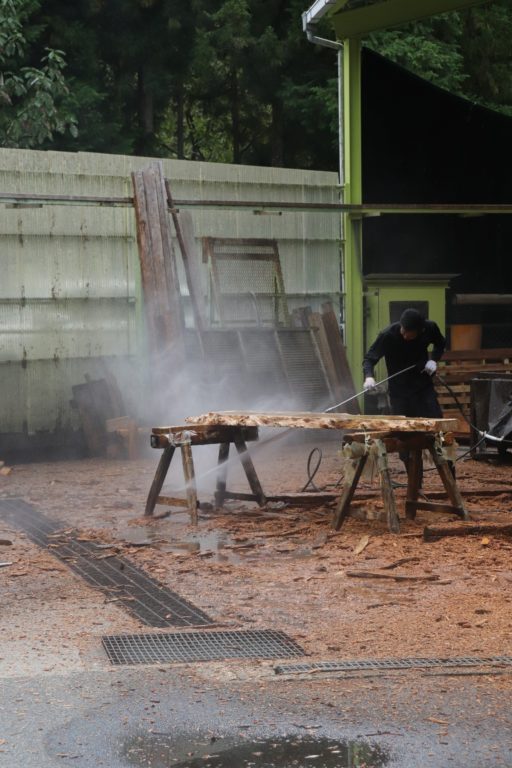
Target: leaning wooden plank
432, 532
162, 304
339, 356
184, 229
314, 420
147, 272
316, 324
174, 310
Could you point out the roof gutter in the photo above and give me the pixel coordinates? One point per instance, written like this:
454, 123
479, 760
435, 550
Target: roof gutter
317, 10
311, 17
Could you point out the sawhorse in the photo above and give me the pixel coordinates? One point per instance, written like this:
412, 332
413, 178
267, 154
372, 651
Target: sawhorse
170, 438
360, 446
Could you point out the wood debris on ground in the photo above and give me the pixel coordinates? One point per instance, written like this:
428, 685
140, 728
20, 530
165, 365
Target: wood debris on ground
286, 568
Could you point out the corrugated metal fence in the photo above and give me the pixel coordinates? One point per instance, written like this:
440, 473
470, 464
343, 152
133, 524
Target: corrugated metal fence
70, 286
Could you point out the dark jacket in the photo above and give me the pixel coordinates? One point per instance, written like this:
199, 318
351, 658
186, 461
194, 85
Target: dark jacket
399, 354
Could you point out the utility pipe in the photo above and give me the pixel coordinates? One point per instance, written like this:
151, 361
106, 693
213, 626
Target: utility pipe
334, 45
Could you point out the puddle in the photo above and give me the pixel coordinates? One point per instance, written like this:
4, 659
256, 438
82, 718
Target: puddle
216, 545
206, 543
191, 751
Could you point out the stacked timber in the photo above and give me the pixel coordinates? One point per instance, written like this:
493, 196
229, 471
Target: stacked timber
457, 368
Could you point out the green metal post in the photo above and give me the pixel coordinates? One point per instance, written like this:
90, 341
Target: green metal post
354, 329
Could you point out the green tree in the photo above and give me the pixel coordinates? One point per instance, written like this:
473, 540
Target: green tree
257, 91
33, 90
487, 53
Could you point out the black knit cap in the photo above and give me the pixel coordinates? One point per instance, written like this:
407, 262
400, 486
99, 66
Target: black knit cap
412, 320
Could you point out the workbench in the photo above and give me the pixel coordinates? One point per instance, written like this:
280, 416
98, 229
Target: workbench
363, 438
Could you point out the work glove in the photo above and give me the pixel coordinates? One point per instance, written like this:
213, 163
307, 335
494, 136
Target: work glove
369, 383
430, 367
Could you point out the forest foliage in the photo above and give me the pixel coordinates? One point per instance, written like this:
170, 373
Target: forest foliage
216, 80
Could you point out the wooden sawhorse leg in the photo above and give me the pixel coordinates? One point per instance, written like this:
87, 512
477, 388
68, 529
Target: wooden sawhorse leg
190, 481
161, 473
249, 470
448, 479
414, 478
349, 488
222, 474
159, 479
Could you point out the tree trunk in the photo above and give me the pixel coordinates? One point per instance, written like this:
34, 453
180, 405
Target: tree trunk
235, 116
180, 122
276, 134
146, 116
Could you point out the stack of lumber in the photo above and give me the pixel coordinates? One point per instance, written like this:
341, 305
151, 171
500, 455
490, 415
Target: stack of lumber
457, 368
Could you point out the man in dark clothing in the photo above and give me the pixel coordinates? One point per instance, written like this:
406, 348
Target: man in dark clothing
404, 344
401, 345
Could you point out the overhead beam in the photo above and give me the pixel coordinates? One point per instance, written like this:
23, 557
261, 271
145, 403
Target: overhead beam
362, 20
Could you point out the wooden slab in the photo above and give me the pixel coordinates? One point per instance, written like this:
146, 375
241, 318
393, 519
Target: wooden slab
313, 420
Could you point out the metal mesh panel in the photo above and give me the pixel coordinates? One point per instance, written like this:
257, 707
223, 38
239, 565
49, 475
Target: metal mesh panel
304, 367
278, 365
199, 646
247, 282
263, 363
143, 597
382, 664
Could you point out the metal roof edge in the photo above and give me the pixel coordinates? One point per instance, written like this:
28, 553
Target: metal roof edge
316, 11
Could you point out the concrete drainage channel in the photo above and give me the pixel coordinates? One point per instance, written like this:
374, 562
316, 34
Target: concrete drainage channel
143, 597
150, 602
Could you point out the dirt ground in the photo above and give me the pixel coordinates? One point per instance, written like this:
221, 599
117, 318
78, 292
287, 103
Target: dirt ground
282, 568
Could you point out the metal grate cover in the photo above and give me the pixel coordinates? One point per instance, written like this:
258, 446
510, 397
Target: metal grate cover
199, 646
150, 602
381, 664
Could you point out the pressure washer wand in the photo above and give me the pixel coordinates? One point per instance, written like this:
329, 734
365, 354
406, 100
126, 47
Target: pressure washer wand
349, 399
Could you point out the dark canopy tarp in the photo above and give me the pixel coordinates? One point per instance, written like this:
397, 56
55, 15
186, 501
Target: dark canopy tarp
421, 144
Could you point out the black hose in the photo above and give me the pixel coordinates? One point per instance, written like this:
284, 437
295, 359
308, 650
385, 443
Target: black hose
311, 474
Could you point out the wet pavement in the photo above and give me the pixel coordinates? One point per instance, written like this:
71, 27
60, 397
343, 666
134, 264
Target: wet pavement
211, 716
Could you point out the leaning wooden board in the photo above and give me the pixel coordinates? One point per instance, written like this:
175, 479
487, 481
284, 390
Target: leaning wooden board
312, 420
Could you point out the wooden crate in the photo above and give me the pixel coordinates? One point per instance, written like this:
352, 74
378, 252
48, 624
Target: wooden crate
457, 368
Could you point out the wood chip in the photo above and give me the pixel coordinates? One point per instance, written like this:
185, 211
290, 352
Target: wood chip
361, 545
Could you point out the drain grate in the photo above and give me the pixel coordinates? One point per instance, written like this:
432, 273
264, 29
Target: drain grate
150, 602
381, 664
199, 646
